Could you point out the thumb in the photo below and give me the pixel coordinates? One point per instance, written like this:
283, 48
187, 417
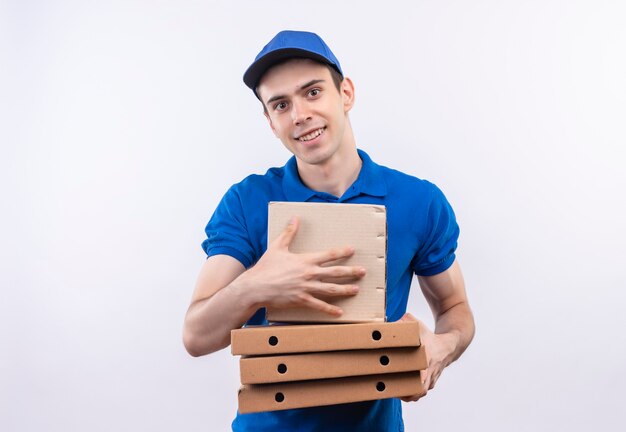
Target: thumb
287, 236
408, 317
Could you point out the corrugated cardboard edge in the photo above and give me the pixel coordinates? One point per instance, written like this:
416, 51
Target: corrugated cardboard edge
283, 339
334, 364
302, 394
350, 305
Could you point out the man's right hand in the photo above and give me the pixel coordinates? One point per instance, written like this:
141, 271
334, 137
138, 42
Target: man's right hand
226, 294
284, 279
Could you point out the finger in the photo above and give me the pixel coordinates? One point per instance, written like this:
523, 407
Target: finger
286, 237
408, 317
341, 280
339, 274
415, 397
317, 304
332, 290
433, 380
425, 377
332, 255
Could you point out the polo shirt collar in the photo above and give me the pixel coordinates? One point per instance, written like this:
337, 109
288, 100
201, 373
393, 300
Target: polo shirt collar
369, 182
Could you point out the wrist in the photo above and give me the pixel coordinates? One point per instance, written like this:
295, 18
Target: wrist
244, 294
450, 341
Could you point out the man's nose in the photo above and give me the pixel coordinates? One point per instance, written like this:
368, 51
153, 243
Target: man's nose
300, 113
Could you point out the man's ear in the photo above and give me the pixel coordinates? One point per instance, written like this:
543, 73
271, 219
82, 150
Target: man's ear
269, 120
347, 94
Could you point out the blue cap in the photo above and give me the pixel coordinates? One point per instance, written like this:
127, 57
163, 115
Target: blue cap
289, 44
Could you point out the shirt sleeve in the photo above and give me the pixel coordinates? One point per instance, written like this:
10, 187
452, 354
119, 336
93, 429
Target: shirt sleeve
437, 251
227, 233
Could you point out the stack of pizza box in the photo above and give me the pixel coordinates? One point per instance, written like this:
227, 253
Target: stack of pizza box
355, 357
297, 366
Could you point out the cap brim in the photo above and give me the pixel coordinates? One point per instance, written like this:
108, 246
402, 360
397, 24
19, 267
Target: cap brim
253, 75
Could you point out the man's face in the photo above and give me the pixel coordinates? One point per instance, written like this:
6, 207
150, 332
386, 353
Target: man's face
305, 110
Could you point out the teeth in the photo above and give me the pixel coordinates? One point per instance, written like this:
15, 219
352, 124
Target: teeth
312, 135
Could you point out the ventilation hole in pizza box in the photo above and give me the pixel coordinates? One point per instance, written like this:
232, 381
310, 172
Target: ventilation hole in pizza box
384, 360
376, 335
279, 397
380, 386
282, 368
273, 341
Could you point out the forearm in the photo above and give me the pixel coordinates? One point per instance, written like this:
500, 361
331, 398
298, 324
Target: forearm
227, 295
209, 321
454, 321
457, 325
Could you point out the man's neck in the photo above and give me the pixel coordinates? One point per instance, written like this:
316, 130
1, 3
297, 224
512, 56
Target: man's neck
336, 175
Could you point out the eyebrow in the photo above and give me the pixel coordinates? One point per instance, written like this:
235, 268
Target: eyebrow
302, 87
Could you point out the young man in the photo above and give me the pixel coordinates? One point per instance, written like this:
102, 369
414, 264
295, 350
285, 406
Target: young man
306, 100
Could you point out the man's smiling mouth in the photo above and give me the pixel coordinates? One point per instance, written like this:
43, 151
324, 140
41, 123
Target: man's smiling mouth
311, 135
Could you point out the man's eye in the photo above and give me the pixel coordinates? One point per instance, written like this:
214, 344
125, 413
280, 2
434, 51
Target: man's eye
280, 106
314, 92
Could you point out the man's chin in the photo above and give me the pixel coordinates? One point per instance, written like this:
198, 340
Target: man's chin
312, 157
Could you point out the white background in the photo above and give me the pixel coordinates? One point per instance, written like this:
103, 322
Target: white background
122, 123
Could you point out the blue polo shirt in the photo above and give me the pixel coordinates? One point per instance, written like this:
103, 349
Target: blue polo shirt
422, 237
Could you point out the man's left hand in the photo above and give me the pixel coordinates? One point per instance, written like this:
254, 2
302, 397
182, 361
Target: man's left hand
438, 347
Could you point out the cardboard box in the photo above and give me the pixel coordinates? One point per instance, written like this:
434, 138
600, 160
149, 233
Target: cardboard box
324, 226
301, 394
283, 339
333, 364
